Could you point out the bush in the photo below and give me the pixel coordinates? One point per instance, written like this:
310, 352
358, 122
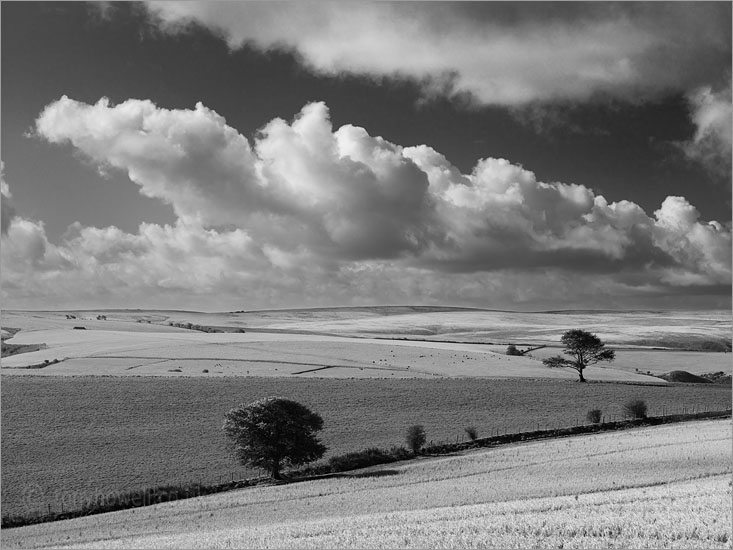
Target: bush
512, 350
594, 416
359, 459
415, 438
635, 408
472, 433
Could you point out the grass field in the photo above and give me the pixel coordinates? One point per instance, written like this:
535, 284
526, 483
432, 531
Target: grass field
648, 328
337, 343
74, 437
603, 490
123, 353
135, 402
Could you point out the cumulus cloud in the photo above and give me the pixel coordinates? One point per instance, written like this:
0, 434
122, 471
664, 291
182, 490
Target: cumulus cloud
7, 210
712, 116
306, 214
502, 53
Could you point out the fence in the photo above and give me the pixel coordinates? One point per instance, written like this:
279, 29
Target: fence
579, 421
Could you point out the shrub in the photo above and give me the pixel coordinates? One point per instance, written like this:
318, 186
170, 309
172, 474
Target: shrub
415, 438
472, 433
512, 350
359, 459
594, 416
635, 408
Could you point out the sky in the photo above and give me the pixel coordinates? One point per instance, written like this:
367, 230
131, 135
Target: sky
225, 156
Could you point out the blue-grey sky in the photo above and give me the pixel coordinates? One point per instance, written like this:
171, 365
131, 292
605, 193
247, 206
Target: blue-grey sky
242, 155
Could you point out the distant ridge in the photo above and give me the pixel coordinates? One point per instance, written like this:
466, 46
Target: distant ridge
385, 310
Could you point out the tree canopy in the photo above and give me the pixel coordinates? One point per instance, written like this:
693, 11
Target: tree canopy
274, 432
583, 348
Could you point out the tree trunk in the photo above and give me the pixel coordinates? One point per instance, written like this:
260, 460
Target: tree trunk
276, 471
580, 373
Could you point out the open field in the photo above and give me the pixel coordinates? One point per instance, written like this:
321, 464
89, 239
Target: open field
660, 362
665, 329
660, 487
645, 328
134, 402
121, 353
75, 437
336, 343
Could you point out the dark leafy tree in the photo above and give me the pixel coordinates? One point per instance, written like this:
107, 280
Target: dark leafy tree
635, 409
594, 416
274, 432
415, 438
584, 349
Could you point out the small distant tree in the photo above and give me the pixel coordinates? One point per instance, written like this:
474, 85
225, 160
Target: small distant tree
636, 408
584, 349
472, 433
274, 432
415, 438
512, 350
594, 416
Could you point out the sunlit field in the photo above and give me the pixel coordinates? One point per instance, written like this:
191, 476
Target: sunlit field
645, 328
660, 487
338, 343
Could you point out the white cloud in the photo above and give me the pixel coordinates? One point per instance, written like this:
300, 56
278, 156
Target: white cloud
712, 116
309, 215
500, 53
7, 210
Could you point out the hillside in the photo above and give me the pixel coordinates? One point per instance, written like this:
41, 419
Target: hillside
536, 494
394, 341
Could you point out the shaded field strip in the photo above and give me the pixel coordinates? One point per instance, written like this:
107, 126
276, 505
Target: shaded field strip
157, 495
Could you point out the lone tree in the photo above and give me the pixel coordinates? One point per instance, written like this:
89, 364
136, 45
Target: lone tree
512, 350
584, 348
415, 437
274, 432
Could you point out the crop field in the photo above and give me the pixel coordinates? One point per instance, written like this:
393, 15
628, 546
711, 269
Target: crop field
121, 353
660, 362
610, 489
673, 329
337, 343
644, 328
68, 439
